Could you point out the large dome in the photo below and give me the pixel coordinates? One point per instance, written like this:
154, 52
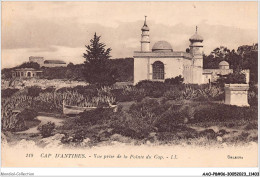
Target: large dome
162, 46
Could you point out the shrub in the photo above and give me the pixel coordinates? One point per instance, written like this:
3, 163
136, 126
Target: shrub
128, 93
173, 94
128, 132
169, 120
49, 89
34, 91
232, 78
46, 130
174, 81
27, 114
152, 88
189, 93
144, 109
253, 95
12, 123
209, 133
87, 91
211, 93
251, 126
44, 106
92, 117
236, 78
224, 113
8, 92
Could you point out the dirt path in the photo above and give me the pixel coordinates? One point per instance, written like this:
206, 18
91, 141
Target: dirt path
44, 120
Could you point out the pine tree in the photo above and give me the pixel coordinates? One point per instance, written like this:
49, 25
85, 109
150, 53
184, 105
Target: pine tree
96, 63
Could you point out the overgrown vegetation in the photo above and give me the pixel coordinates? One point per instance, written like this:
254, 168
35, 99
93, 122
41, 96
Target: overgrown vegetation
46, 130
164, 121
232, 78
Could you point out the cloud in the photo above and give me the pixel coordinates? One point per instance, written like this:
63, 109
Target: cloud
62, 29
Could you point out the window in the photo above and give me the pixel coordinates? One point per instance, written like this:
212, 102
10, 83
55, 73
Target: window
158, 70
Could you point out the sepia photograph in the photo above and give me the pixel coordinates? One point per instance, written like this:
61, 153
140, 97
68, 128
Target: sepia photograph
129, 84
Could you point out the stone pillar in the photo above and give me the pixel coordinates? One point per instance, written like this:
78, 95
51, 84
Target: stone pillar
236, 94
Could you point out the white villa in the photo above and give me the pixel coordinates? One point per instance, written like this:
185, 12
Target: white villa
162, 62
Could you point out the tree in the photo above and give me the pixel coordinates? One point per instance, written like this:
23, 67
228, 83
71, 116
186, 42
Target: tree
235, 60
96, 64
29, 65
70, 65
223, 54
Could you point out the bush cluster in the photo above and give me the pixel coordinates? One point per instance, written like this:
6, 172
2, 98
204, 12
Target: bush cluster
8, 92
180, 91
232, 78
224, 113
46, 130
174, 81
95, 116
27, 114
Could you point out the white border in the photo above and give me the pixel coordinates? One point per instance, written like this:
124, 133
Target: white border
127, 171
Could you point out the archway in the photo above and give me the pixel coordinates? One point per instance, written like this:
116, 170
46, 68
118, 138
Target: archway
158, 70
29, 74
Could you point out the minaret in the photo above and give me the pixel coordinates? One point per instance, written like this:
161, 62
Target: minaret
196, 49
145, 41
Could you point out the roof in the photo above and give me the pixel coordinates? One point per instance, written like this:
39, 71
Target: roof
175, 54
145, 28
25, 69
223, 63
207, 72
196, 37
35, 57
54, 62
162, 46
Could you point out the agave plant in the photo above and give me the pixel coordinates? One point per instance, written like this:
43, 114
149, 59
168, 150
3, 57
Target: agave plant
189, 93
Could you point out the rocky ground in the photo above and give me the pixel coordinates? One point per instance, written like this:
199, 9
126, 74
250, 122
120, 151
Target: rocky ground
43, 83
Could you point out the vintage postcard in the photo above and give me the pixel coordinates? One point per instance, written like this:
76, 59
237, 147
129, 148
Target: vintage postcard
129, 84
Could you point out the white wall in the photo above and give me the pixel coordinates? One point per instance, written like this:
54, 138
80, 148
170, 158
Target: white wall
140, 69
172, 66
143, 68
187, 71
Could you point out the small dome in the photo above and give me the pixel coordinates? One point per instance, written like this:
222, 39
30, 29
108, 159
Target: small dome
196, 37
223, 63
162, 46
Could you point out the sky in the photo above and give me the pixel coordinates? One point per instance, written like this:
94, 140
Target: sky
60, 30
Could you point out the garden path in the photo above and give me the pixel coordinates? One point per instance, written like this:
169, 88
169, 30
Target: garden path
44, 120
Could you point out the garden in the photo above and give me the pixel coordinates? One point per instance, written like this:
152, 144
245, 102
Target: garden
148, 113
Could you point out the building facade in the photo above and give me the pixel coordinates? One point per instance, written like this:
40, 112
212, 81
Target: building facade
162, 62
47, 63
26, 73
54, 63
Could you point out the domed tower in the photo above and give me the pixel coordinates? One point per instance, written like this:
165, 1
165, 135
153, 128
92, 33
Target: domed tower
196, 49
223, 65
145, 40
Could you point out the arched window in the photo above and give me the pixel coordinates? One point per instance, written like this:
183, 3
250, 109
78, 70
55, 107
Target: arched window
158, 70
